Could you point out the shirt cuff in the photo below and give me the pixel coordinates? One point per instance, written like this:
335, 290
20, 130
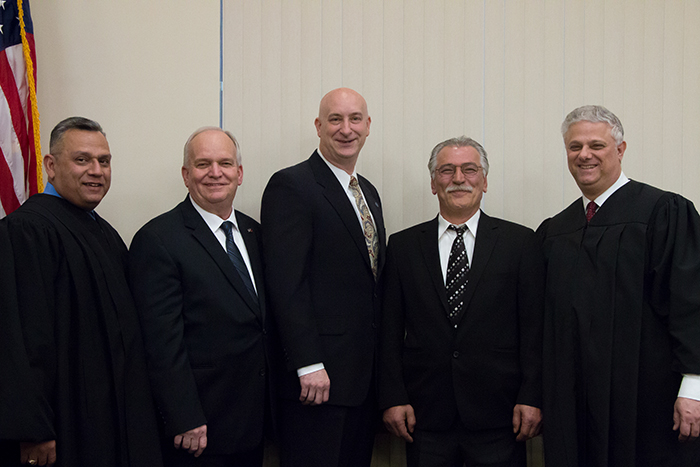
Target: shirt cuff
690, 387
316, 367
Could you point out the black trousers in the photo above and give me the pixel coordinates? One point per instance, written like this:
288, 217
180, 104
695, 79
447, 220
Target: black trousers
327, 435
458, 447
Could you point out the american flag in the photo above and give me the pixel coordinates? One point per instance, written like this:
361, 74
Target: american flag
20, 174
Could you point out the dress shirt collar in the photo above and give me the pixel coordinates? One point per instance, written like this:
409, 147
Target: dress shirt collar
49, 189
212, 220
472, 224
621, 181
342, 176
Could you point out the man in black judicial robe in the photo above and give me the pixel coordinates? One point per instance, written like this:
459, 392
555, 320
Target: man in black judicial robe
622, 313
76, 370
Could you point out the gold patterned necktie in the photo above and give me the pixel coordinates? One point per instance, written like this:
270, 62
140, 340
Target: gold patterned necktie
371, 237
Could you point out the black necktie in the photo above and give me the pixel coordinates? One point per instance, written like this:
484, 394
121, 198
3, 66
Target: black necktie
235, 255
457, 274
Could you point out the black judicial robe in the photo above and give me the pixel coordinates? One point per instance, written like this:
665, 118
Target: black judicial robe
622, 324
73, 359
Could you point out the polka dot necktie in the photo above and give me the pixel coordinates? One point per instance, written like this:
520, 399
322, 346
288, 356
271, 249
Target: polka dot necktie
457, 274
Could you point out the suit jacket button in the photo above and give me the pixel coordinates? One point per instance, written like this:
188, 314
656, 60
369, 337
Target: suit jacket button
455, 354
262, 372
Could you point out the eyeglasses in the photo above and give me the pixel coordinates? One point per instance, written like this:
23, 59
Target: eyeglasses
449, 170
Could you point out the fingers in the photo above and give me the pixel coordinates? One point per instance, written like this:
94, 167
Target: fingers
42, 453
527, 421
686, 419
194, 441
400, 421
315, 388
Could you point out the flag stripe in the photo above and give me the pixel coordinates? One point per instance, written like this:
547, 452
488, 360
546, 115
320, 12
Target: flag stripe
19, 168
8, 198
14, 128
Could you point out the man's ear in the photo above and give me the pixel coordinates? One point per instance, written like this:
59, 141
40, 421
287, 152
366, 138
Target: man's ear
50, 166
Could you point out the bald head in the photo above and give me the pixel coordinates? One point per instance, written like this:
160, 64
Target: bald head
340, 94
342, 125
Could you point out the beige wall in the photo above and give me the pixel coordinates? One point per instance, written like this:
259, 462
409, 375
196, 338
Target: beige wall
148, 71
505, 72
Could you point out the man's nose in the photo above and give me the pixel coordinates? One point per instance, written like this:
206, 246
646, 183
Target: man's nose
345, 127
459, 177
95, 168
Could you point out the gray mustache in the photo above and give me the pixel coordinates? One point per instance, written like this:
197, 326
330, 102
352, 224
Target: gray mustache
452, 188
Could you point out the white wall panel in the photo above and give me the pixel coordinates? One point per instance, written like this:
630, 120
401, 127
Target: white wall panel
505, 72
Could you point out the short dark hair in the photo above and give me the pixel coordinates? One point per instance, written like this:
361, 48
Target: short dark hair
71, 123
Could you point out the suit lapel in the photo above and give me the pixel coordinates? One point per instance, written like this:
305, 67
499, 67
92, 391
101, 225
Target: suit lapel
428, 241
338, 198
486, 237
205, 237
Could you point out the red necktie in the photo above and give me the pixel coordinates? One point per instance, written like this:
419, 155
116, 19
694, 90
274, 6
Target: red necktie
590, 210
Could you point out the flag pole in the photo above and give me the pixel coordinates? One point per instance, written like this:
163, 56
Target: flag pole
32, 98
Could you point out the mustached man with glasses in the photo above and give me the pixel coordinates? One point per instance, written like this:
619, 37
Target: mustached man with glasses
460, 351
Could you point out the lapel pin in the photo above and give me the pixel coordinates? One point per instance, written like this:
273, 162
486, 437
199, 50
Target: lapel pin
250, 230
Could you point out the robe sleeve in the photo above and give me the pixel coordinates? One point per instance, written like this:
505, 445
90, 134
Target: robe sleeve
29, 255
674, 255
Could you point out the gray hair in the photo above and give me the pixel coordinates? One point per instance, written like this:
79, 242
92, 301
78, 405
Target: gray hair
70, 123
595, 114
460, 142
186, 159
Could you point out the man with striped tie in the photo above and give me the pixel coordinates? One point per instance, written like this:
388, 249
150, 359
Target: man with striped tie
460, 346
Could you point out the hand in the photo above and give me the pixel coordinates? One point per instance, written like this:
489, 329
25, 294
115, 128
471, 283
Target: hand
315, 388
44, 453
686, 417
194, 440
527, 421
400, 421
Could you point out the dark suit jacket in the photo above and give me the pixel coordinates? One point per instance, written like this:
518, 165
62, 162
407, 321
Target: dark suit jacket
321, 288
206, 341
492, 360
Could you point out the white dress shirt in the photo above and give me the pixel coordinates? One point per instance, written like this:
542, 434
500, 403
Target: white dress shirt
214, 223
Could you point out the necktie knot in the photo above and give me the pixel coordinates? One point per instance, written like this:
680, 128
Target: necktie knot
591, 209
460, 229
227, 227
